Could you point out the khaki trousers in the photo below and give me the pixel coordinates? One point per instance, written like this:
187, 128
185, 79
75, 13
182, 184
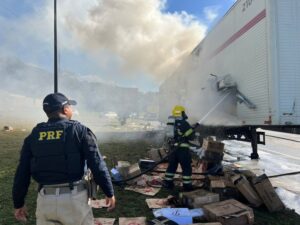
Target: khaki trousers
66, 209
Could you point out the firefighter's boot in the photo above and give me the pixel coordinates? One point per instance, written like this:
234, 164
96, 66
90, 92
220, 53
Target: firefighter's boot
168, 184
188, 187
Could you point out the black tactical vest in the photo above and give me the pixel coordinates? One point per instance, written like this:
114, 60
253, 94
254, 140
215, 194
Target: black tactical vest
57, 152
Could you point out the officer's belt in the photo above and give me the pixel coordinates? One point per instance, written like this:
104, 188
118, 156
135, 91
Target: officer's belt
60, 189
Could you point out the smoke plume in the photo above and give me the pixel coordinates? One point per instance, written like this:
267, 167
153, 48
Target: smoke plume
140, 33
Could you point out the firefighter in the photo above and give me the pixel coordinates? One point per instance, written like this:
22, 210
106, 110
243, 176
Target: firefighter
55, 154
179, 134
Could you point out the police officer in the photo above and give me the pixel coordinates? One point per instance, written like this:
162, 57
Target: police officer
183, 132
55, 154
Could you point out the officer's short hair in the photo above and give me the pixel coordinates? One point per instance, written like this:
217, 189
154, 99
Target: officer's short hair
57, 113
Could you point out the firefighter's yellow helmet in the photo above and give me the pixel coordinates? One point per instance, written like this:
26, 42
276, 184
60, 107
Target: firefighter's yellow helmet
177, 111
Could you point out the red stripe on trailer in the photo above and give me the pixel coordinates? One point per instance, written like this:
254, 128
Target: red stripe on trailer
242, 31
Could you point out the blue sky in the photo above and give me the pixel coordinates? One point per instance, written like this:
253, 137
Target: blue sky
201, 8
27, 35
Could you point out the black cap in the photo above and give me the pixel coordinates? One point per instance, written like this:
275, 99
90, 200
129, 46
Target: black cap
56, 101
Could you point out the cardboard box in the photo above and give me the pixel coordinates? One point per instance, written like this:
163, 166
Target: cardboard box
214, 146
123, 168
219, 185
198, 198
146, 164
211, 156
157, 154
248, 174
244, 186
132, 220
213, 177
229, 212
267, 193
133, 171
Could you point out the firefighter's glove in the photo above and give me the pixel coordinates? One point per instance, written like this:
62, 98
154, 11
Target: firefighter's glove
171, 141
181, 139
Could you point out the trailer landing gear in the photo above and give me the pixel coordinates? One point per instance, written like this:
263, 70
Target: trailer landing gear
254, 154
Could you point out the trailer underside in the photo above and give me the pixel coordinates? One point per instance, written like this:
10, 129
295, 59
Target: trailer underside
247, 133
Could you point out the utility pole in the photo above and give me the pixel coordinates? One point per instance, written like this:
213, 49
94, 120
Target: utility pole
55, 50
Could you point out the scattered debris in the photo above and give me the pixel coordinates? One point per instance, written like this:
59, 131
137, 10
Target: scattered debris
267, 193
181, 216
229, 212
133, 171
132, 221
150, 191
123, 168
104, 221
246, 189
161, 220
146, 164
198, 198
211, 155
158, 203
8, 128
151, 181
98, 204
218, 191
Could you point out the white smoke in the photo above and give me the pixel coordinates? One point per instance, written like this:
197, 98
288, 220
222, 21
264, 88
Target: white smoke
138, 36
140, 33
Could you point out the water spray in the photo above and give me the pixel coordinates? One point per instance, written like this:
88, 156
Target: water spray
213, 108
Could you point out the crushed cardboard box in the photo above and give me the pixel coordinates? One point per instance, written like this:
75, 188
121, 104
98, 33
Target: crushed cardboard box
147, 180
211, 156
98, 204
133, 171
217, 184
198, 198
132, 221
225, 188
212, 151
214, 146
150, 191
158, 203
267, 193
229, 212
123, 168
104, 221
244, 186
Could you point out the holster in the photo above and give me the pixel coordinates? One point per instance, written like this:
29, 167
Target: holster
91, 185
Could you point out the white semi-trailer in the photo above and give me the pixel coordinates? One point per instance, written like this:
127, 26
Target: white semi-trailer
245, 73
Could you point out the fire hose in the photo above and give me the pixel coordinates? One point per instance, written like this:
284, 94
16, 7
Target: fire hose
151, 169
122, 182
